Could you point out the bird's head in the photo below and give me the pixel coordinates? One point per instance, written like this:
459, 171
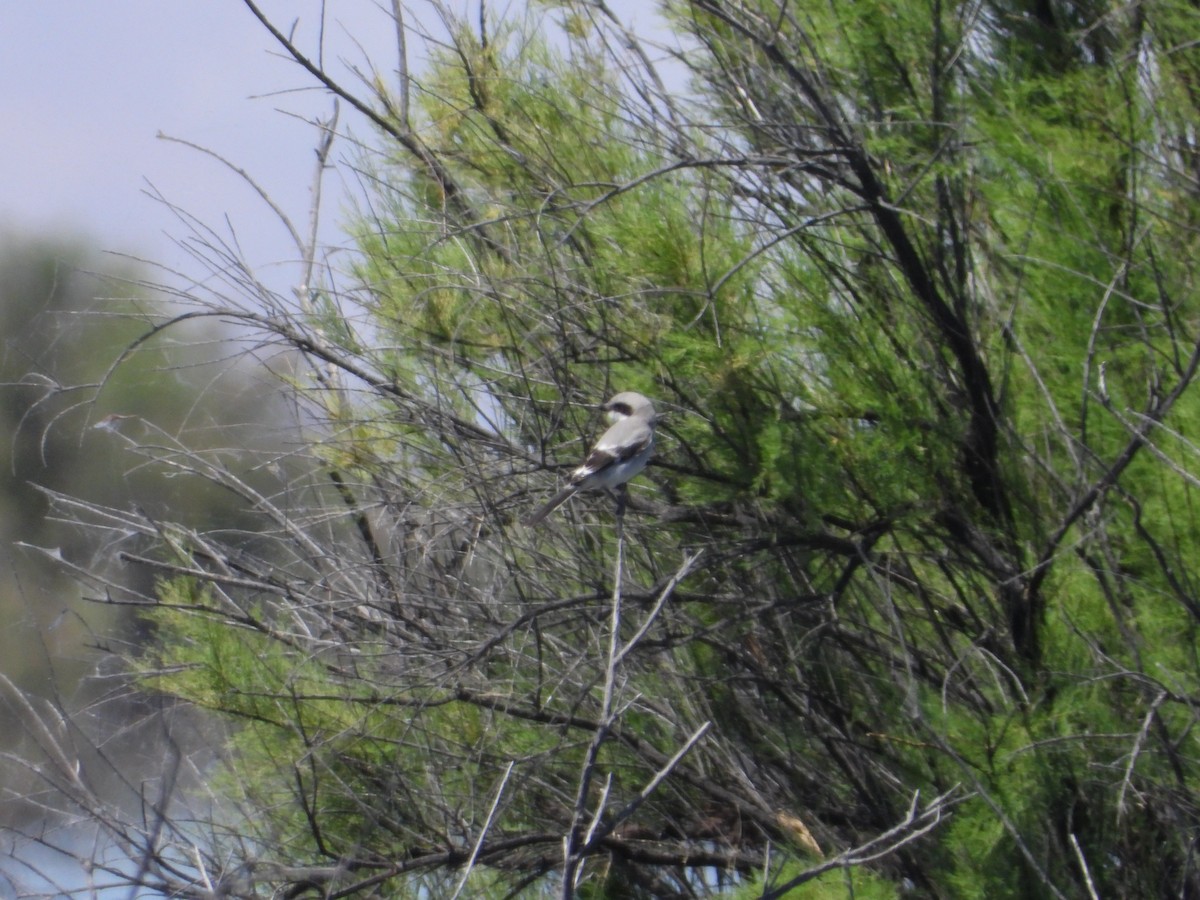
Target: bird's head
626, 404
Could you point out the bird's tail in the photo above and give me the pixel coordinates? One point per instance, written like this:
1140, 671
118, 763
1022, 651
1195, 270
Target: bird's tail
550, 506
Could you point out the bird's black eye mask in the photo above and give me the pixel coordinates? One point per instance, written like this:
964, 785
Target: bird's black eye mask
623, 409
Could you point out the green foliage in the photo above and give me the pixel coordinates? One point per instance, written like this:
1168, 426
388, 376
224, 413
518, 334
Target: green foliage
838, 884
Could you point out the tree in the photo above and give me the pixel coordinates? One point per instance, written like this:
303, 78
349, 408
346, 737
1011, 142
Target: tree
82, 385
909, 583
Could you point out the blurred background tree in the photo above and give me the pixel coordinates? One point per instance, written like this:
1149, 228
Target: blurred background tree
908, 592
81, 382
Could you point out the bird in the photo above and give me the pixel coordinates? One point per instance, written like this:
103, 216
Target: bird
620, 453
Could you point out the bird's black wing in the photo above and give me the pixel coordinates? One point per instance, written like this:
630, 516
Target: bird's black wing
603, 457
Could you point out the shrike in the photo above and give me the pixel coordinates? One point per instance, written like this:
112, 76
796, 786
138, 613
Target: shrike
621, 452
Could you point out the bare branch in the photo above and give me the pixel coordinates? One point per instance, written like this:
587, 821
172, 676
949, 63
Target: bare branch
919, 821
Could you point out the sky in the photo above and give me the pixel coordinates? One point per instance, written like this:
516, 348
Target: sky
89, 86
87, 89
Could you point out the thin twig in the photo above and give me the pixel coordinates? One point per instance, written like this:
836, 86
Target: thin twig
572, 849
402, 65
688, 564
487, 824
309, 251
651, 786
1136, 750
249, 179
1087, 873
917, 823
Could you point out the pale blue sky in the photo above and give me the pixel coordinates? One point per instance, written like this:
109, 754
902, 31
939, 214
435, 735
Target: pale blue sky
87, 85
